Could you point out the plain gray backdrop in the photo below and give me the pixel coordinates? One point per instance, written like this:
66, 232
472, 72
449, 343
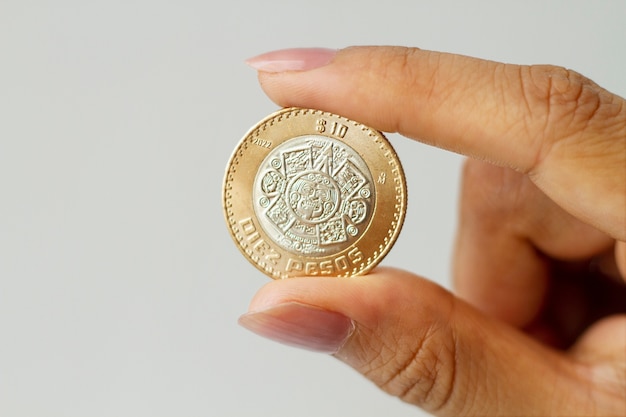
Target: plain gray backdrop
120, 286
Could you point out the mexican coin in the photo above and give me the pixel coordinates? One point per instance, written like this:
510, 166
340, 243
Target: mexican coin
310, 193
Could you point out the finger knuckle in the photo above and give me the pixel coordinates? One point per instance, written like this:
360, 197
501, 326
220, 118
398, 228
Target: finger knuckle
424, 375
563, 97
427, 378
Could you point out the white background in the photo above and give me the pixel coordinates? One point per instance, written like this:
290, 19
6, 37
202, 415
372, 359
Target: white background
119, 284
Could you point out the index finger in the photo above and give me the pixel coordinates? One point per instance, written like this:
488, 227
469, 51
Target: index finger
562, 129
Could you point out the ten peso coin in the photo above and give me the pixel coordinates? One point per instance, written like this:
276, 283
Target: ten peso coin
310, 193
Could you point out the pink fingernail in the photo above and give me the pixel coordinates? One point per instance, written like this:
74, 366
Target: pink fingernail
300, 325
299, 59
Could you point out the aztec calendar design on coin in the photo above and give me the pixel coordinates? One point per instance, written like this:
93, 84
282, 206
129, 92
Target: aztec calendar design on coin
313, 195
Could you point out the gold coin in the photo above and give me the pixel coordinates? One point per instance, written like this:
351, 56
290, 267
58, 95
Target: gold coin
310, 193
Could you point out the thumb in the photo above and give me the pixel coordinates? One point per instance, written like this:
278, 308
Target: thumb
418, 342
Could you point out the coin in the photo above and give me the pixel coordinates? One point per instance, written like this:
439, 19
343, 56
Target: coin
310, 193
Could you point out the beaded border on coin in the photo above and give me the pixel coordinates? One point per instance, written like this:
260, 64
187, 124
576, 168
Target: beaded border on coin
311, 193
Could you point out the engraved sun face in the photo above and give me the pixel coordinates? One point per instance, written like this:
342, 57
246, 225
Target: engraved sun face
313, 195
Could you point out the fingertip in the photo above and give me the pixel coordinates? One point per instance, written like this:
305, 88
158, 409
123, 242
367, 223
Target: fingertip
271, 294
293, 59
300, 325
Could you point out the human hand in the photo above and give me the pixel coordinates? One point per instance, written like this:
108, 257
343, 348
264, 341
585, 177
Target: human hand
541, 250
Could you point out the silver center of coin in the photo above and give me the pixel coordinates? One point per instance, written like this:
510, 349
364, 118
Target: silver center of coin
313, 195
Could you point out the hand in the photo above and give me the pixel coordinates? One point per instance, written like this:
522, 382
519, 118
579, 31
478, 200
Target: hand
540, 256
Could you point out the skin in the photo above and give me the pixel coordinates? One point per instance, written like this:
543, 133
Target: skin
537, 323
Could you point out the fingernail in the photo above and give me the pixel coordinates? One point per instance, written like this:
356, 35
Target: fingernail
299, 59
300, 325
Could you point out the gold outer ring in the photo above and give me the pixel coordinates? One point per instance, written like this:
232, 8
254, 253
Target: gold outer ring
375, 238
